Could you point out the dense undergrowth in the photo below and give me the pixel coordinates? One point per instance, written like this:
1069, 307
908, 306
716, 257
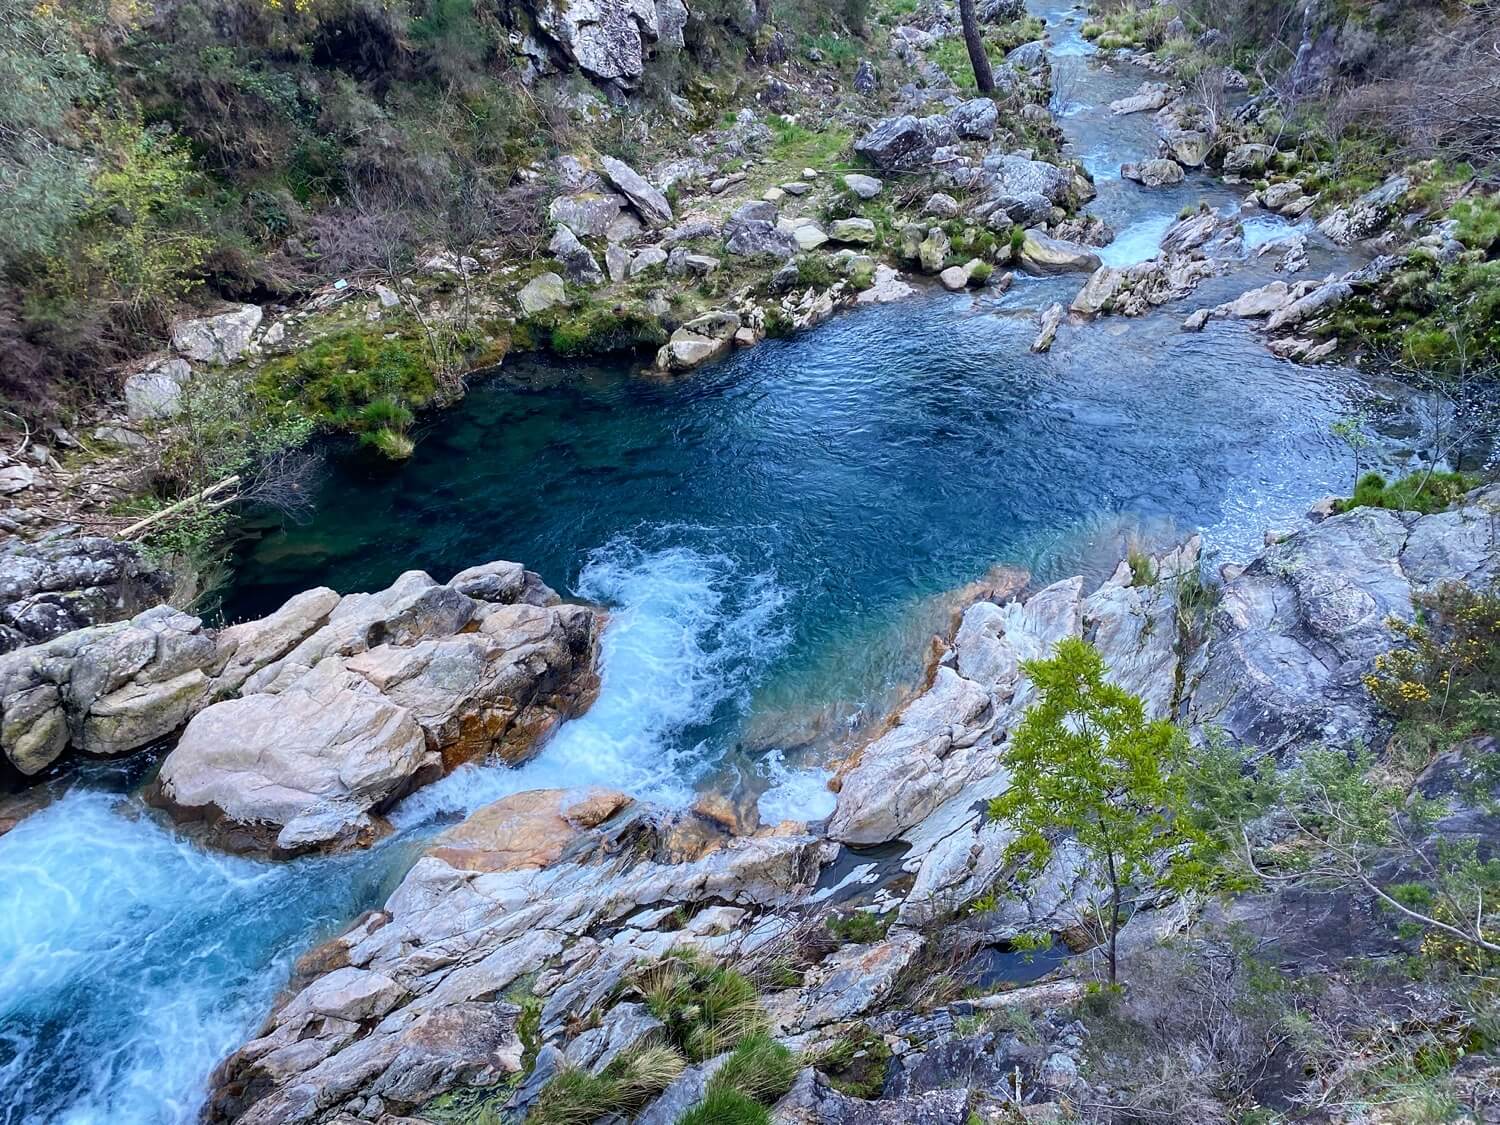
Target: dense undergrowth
156, 153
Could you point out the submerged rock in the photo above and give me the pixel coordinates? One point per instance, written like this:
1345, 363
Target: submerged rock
1051, 318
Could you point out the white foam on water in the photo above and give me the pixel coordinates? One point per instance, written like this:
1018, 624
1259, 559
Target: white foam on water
1139, 242
796, 792
132, 961
687, 631
1261, 229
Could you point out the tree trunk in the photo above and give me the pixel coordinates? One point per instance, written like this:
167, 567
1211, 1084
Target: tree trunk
984, 78
1114, 913
1114, 931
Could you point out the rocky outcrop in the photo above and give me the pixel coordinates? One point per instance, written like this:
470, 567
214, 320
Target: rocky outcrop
219, 339
609, 40
945, 739
526, 886
1136, 290
347, 704
51, 588
106, 690
1298, 629
344, 702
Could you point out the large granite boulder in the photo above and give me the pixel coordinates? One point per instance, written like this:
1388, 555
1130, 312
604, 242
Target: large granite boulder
51, 588
1043, 255
155, 393
311, 763
608, 40
106, 689
346, 707
897, 144
219, 339
588, 214
488, 663
650, 204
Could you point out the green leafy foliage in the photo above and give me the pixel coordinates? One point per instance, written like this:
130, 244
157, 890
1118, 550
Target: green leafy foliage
1353, 821
43, 171
1087, 762
860, 926
1443, 684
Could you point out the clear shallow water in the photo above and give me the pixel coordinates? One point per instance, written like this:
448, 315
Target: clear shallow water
776, 537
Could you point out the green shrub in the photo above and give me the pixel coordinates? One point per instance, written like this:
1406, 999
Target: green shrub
726, 1107
1416, 492
1478, 222
576, 1097
759, 1068
815, 273
1444, 683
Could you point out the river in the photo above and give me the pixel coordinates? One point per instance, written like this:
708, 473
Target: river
774, 535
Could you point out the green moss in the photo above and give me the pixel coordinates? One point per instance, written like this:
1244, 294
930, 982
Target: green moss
726, 1107
856, 1065
1416, 492
355, 379
1478, 222
597, 329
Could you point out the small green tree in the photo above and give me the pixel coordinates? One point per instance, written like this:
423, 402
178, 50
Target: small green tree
1351, 430
1086, 763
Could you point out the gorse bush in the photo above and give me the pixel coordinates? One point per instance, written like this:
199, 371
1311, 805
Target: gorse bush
1444, 683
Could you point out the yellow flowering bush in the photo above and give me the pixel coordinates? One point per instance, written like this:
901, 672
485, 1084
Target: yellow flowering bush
1448, 669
